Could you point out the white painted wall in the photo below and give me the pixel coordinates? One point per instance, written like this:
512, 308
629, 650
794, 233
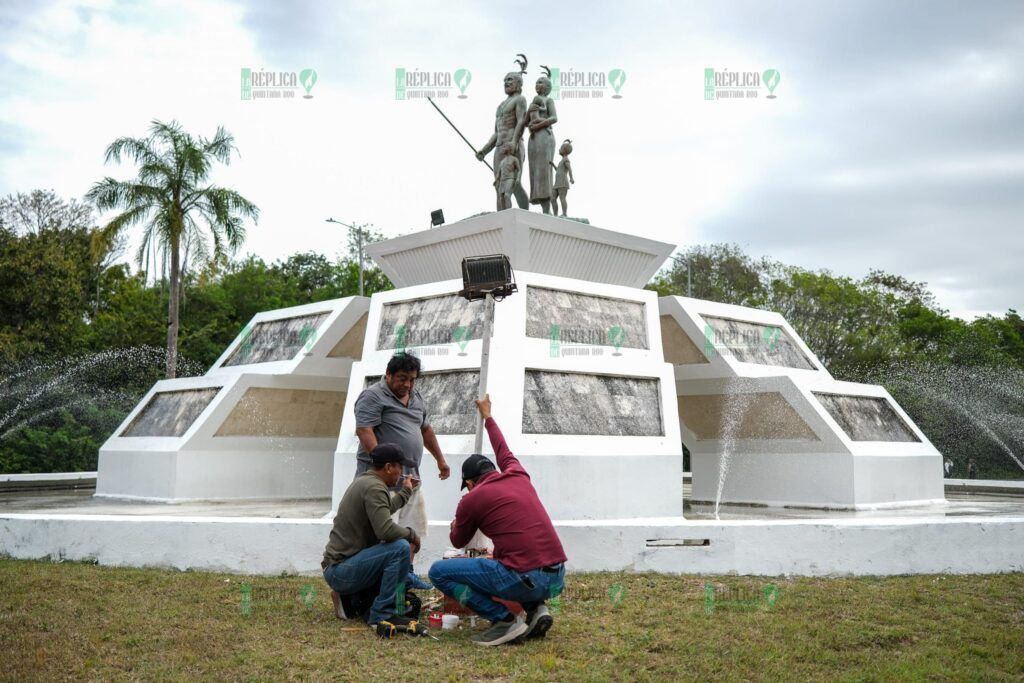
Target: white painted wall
201, 466
833, 471
826, 547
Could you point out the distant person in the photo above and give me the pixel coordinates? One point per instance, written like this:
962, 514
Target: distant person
948, 466
972, 469
529, 562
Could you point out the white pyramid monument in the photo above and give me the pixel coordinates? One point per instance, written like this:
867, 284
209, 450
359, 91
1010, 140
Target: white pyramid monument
597, 385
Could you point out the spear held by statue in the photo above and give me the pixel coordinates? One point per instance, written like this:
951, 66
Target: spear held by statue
458, 131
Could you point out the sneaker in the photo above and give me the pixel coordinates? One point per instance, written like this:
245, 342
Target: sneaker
342, 605
502, 632
539, 621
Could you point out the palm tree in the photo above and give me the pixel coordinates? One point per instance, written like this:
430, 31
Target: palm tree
172, 199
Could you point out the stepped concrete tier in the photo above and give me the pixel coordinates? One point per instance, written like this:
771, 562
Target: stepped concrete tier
261, 423
751, 393
534, 242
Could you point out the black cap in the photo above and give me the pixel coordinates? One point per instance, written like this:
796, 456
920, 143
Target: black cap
474, 466
383, 453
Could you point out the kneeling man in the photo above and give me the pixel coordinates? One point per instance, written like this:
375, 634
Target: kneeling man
366, 548
529, 563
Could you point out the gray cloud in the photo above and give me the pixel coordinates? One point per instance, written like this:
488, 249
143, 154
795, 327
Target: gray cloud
908, 153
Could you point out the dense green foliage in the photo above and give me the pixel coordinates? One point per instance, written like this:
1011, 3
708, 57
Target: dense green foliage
81, 344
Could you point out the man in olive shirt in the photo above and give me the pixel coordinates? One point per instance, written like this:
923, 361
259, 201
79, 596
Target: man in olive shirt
366, 547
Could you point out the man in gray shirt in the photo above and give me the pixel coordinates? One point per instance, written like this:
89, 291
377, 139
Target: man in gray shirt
392, 411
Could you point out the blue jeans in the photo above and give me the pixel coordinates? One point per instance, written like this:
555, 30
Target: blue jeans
473, 581
386, 564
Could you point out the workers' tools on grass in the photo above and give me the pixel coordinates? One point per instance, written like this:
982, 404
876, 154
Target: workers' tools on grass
387, 630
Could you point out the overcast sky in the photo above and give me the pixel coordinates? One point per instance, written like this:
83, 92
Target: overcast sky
895, 140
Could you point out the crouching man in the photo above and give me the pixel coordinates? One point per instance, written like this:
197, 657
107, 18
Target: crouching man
529, 563
366, 548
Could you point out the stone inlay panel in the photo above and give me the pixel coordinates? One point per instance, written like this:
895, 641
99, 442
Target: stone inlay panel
576, 403
274, 340
443, 319
170, 413
866, 418
571, 317
754, 343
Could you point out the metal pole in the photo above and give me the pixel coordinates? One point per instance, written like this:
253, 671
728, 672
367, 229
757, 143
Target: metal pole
359, 242
458, 131
485, 353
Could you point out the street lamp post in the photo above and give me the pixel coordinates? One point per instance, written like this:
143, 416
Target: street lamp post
359, 244
689, 278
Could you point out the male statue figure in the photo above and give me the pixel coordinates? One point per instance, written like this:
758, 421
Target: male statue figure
509, 122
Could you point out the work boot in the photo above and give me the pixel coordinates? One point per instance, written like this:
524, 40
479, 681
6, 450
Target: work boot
539, 620
502, 632
342, 605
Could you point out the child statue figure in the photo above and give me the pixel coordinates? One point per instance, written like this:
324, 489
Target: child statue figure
563, 176
507, 177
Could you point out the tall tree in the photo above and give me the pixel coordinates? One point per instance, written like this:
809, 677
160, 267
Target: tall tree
173, 200
41, 211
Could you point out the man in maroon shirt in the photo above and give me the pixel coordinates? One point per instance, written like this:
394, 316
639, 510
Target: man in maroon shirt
529, 563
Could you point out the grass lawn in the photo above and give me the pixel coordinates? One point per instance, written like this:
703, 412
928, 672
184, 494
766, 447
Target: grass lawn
74, 620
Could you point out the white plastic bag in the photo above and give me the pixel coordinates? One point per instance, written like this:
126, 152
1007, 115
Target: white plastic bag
414, 513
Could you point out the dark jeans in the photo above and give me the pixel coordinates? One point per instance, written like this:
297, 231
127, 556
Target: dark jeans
473, 581
386, 564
